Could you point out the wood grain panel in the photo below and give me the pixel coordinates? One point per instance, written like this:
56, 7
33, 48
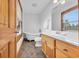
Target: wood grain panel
68, 49
60, 54
1, 13
49, 52
12, 14
4, 12
4, 52
48, 46
12, 48
4, 49
44, 43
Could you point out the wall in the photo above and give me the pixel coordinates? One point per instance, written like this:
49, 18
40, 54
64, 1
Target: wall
31, 23
56, 19
53, 13
46, 15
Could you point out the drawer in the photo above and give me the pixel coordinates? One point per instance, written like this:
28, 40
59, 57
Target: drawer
60, 54
68, 49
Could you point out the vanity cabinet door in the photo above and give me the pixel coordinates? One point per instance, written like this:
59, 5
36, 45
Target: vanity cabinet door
50, 47
44, 44
49, 52
4, 52
44, 47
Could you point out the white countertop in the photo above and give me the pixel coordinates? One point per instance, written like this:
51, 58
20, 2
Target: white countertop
64, 36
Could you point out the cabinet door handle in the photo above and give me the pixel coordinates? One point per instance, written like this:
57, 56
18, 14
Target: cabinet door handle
65, 50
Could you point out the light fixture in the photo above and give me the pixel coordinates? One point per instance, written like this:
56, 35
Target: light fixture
63, 2
60, 1
55, 1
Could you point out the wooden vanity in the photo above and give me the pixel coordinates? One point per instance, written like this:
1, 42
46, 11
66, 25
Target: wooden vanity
55, 48
48, 46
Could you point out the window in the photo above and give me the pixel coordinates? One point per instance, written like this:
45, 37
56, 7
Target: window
70, 19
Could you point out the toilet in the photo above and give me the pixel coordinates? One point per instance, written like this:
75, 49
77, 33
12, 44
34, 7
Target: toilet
37, 41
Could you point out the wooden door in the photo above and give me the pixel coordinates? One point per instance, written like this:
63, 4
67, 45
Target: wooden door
4, 52
8, 13
12, 48
0, 55
4, 13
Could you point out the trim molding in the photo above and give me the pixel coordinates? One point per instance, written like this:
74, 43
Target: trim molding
20, 5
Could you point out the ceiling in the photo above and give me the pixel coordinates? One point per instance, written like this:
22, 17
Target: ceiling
34, 6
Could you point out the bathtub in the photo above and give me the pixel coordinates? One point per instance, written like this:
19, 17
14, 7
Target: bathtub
31, 36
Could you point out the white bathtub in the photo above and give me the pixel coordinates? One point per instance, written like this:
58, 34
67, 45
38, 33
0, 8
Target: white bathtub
31, 36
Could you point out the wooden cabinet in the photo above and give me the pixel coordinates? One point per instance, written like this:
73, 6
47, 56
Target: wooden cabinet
48, 46
60, 54
44, 37
69, 50
49, 52
55, 48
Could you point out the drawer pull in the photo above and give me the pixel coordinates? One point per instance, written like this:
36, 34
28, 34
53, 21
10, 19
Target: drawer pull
65, 50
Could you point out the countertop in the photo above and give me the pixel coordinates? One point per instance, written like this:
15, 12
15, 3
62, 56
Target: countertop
73, 39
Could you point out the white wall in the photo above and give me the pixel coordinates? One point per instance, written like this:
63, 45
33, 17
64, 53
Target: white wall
56, 19
31, 23
53, 13
46, 15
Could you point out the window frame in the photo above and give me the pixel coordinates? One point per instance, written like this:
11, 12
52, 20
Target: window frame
66, 11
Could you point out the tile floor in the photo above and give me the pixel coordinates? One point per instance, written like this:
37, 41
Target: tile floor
28, 50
